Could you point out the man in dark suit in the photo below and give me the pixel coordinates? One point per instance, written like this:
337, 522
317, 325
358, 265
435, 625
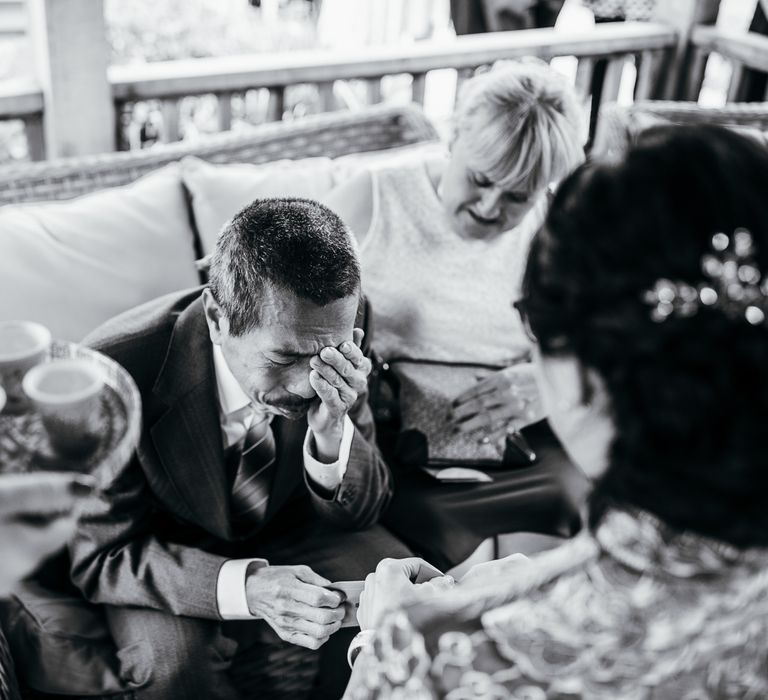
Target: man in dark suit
256, 468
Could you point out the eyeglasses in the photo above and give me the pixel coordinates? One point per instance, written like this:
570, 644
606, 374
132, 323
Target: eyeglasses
520, 306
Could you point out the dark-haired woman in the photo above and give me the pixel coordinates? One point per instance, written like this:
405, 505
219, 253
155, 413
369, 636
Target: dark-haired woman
647, 295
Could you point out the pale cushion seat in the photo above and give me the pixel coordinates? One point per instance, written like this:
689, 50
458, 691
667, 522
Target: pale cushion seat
73, 265
218, 192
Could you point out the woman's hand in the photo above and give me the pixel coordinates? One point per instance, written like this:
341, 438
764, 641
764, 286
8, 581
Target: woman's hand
480, 573
37, 517
397, 581
502, 402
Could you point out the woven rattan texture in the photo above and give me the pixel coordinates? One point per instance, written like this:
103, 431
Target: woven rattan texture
744, 114
332, 134
619, 126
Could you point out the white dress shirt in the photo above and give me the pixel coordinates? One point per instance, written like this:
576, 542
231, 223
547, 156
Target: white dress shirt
236, 415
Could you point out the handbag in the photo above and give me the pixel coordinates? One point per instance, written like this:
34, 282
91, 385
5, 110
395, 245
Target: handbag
418, 435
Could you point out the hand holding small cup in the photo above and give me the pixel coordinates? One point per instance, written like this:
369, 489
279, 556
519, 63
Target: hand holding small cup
38, 513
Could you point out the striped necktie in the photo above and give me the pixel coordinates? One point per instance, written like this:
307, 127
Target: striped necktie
250, 493
8, 688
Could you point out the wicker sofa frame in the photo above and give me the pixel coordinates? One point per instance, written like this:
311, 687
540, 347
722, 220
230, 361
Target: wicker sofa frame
332, 134
620, 125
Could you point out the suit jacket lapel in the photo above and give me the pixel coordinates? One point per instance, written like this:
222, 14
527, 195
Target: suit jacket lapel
188, 436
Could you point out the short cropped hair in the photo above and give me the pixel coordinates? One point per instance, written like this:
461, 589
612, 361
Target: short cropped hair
293, 244
688, 396
525, 124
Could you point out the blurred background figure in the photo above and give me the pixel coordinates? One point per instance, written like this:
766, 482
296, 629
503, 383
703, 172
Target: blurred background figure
345, 24
612, 11
478, 16
647, 294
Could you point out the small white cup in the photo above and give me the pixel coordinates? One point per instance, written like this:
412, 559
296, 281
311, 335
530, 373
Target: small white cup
67, 394
23, 344
2, 399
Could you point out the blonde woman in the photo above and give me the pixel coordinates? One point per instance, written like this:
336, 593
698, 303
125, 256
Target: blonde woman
442, 243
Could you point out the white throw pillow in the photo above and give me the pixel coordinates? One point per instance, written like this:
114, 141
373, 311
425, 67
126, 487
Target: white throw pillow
73, 265
346, 167
218, 192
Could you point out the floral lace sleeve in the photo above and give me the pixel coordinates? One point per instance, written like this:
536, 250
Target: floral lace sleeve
649, 613
455, 664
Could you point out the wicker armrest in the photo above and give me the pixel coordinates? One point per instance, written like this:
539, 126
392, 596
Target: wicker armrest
738, 114
618, 126
332, 134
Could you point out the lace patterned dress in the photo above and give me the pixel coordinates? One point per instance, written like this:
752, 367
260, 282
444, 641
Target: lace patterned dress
635, 612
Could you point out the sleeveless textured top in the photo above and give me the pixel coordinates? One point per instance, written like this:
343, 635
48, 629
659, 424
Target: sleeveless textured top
436, 296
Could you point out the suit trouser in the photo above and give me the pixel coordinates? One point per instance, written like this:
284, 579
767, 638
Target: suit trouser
166, 657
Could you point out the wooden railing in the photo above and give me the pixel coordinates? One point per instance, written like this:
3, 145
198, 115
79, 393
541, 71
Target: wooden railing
170, 81
23, 99
742, 50
13, 18
224, 77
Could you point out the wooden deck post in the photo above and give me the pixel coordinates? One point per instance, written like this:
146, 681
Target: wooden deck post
683, 15
72, 56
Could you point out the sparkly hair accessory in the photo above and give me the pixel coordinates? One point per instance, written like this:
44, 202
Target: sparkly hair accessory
732, 284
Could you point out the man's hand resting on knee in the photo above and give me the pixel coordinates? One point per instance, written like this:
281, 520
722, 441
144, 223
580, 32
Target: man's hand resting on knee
294, 602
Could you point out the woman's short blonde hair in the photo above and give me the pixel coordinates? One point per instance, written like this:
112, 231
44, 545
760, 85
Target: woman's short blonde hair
523, 123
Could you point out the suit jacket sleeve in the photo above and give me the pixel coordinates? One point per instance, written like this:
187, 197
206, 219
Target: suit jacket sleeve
366, 490
118, 560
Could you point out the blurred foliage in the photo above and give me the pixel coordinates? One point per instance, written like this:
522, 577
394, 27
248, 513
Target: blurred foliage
152, 30
148, 30
15, 62
160, 30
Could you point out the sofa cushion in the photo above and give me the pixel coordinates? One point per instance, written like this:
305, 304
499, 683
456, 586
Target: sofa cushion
72, 265
345, 167
218, 192
61, 644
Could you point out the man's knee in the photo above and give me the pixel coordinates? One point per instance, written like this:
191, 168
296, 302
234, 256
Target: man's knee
169, 656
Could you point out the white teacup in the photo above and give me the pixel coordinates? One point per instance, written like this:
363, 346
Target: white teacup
2, 399
67, 394
23, 344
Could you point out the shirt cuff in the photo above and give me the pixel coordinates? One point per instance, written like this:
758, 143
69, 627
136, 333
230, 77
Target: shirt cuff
362, 640
230, 589
329, 476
